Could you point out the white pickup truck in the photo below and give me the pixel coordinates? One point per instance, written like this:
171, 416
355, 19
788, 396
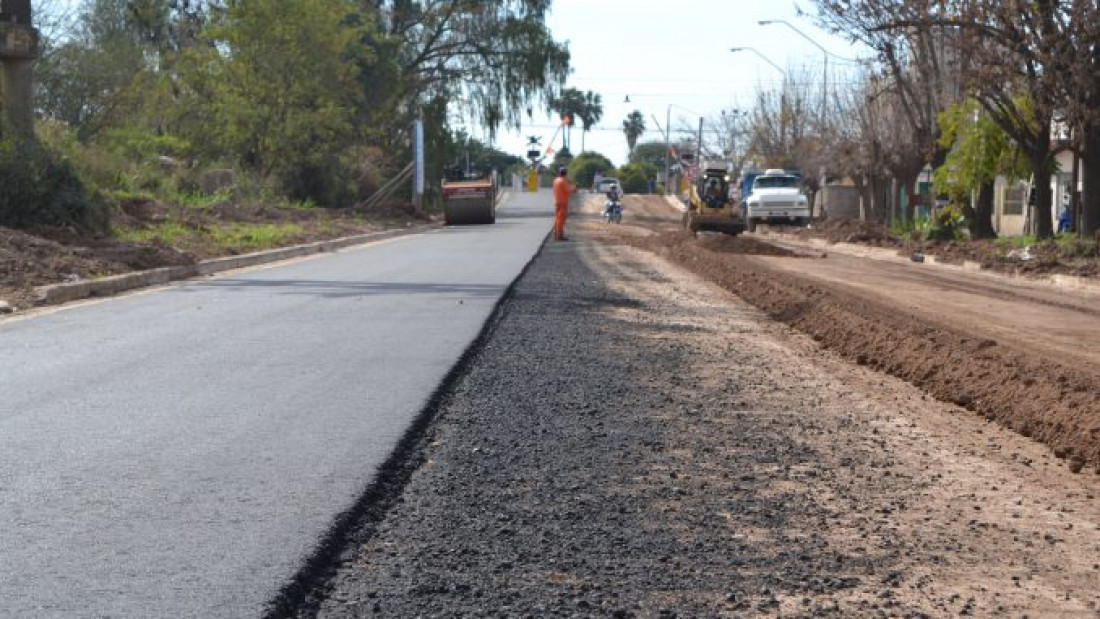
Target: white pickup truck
776, 198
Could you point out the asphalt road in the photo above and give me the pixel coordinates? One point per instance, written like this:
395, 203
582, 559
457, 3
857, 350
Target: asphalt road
180, 452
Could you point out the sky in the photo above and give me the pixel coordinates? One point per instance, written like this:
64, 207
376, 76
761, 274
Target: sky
672, 57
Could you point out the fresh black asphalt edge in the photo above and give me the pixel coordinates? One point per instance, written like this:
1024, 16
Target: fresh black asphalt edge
301, 597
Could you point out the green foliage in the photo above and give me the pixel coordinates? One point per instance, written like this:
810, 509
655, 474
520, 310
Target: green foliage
241, 238
309, 101
40, 188
650, 153
279, 78
234, 238
633, 128
583, 168
980, 151
1075, 247
495, 56
946, 224
901, 228
462, 148
169, 233
585, 108
635, 177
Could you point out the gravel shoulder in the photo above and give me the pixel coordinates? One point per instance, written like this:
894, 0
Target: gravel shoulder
634, 440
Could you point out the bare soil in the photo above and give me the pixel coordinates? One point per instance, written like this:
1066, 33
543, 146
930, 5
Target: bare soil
1020, 355
633, 439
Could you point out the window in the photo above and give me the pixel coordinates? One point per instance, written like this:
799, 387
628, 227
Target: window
774, 182
1015, 199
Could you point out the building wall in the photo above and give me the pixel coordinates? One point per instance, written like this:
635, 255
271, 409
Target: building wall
1009, 217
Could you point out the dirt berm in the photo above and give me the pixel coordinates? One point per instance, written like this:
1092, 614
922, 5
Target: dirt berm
1041, 396
631, 440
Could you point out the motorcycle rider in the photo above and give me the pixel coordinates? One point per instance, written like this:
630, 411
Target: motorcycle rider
614, 195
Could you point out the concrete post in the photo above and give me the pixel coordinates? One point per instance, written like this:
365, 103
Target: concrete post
18, 50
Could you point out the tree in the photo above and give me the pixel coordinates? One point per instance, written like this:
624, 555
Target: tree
586, 107
1015, 47
633, 127
784, 131
651, 153
279, 80
922, 64
1074, 60
591, 114
464, 150
494, 58
635, 177
583, 168
980, 151
731, 134
99, 70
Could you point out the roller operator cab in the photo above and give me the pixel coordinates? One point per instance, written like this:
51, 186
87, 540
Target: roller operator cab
774, 197
710, 205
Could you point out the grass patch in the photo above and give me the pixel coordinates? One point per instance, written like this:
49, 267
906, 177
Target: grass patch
201, 201
1015, 242
1074, 247
253, 237
171, 233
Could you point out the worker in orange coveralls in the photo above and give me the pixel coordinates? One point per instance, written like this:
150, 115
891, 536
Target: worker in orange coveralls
562, 190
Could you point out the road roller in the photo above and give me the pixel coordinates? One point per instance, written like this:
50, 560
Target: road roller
469, 198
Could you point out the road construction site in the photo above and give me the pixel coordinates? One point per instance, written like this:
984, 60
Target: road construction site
661, 424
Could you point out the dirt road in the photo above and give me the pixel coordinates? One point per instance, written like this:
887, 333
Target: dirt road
635, 440
1023, 354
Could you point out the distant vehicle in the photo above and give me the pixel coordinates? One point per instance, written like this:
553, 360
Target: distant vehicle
710, 206
774, 197
605, 184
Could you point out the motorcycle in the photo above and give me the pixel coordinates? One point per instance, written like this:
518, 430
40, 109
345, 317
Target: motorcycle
613, 212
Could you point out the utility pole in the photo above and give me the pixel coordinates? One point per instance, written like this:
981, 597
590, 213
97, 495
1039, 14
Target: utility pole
668, 148
418, 159
699, 146
18, 51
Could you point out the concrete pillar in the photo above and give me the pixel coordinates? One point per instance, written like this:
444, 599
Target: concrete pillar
16, 80
18, 50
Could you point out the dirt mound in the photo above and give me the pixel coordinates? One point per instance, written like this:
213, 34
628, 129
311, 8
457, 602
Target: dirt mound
850, 231
1044, 398
717, 243
27, 261
725, 244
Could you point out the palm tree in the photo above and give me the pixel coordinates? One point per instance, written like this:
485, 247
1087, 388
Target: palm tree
591, 113
633, 127
569, 103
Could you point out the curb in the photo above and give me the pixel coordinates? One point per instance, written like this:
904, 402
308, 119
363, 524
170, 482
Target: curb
53, 294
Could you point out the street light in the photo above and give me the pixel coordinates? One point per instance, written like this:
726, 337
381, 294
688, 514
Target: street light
765, 58
825, 53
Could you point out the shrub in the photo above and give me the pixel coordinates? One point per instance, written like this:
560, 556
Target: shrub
946, 224
41, 188
583, 168
635, 177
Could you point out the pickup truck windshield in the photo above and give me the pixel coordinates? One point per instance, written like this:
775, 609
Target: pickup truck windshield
774, 182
